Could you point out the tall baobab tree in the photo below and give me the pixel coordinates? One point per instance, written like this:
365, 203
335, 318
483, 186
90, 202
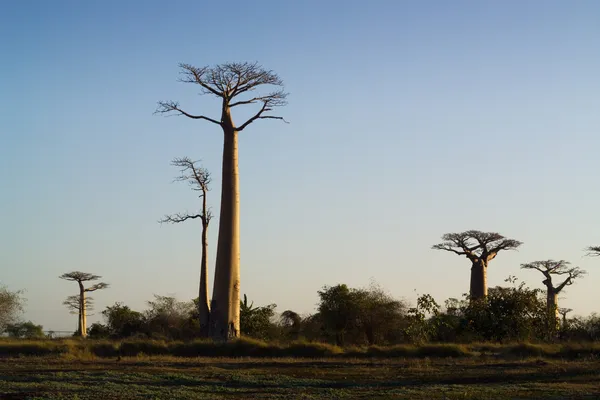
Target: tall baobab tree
81, 278
550, 268
199, 179
232, 84
593, 251
480, 248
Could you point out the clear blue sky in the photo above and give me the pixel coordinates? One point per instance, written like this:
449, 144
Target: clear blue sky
408, 119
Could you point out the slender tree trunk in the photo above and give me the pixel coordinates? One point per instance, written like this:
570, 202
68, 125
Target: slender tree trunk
478, 279
225, 307
203, 304
83, 316
80, 322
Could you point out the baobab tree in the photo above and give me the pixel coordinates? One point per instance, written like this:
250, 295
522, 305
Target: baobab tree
73, 303
199, 179
81, 278
480, 248
550, 268
593, 251
563, 312
232, 84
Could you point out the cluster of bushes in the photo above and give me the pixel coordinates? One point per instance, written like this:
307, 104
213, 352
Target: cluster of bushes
366, 317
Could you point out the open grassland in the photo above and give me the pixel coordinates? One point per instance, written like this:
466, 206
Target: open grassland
85, 370
281, 378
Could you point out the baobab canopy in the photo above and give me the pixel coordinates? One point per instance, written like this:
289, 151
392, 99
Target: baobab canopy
480, 248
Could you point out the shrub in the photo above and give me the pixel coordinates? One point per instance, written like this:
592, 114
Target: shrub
148, 347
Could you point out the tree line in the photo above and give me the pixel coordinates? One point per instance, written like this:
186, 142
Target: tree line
343, 312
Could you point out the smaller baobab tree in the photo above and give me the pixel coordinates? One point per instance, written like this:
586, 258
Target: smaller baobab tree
81, 278
550, 268
199, 180
74, 305
480, 248
563, 312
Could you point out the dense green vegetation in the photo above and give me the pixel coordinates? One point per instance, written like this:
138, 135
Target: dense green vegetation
366, 317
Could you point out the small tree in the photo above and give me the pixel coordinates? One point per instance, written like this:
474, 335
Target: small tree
73, 303
122, 321
291, 322
168, 318
81, 278
27, 330
480, 248
550, 268
563, 312
256, 321
229, 82
199, 179
11, 306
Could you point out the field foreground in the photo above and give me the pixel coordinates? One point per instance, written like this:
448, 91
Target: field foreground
291, 378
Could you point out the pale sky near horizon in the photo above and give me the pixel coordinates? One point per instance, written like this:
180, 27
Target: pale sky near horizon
408, 119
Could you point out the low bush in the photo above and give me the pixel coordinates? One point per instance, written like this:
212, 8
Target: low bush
148, 347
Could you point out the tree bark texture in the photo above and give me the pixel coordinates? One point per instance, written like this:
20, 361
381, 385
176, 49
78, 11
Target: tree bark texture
203, 301
478, 289
225, 317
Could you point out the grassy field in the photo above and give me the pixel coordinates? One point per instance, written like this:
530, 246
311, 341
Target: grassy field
167, 377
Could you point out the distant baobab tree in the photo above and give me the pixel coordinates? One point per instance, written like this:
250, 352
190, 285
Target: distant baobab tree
199, 179
81, 278
550, 268
230, 83
73, 303
480, 248
563, 312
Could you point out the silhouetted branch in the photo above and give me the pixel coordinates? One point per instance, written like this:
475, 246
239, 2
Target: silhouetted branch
476, 244
593, 251
552, 267
169, 106
177, 218
97, 286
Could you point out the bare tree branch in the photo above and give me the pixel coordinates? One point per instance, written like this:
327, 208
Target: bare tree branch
199, 179
165, 107
552, 267
476, 244
97, 286
228, 81
177, 218
259, 115
197, 75
74, 305
593, 251
79, 276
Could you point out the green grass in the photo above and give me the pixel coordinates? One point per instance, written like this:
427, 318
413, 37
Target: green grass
169, 377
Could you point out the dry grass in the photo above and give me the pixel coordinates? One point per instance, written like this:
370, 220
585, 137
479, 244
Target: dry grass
75, 348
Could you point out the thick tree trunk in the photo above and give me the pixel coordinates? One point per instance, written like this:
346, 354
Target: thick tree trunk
203, 304
225, 307
478, 288
552, 304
